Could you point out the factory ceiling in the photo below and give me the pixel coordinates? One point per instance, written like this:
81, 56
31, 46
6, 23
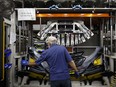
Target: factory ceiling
64, 3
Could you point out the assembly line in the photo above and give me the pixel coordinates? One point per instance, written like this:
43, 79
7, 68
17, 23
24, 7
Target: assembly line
45, 43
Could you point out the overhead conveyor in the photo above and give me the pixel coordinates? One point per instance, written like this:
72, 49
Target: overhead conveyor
81, 23
44, 31
68, 30
84, 30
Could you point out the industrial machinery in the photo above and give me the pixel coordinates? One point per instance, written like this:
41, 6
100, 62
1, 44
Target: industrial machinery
68, 33
87, 28
90, 68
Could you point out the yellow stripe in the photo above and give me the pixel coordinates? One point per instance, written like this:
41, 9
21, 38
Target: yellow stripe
3, 48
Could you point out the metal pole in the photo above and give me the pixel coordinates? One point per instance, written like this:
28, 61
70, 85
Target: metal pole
101, 33
91, 27
23, 29
20, 37
107, 39
22, 42
115, 29
40, 25
31, 35
111, 29
13, 48
2, 51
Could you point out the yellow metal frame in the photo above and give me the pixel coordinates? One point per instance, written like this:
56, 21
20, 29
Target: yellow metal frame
3, 50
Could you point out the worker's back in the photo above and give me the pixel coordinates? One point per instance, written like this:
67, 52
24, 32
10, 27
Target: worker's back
57, 58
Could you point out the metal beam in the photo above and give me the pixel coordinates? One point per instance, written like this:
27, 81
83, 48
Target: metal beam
72, 15
1, 49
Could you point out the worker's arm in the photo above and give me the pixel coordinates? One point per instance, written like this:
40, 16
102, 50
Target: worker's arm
37, 62
70, 60
72, 64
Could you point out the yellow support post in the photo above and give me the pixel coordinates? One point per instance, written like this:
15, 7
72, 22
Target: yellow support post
2, 38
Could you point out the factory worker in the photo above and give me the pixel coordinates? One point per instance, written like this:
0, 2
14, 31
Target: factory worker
59, 61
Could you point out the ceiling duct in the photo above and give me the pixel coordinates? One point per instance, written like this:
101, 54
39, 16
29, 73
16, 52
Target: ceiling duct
6, 7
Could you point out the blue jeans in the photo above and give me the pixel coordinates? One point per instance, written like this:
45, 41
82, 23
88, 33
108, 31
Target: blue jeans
61, 83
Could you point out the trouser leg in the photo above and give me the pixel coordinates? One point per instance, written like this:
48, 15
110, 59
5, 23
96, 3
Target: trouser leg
61, 83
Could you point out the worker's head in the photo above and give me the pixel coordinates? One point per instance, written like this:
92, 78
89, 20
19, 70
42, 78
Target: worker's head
51, 40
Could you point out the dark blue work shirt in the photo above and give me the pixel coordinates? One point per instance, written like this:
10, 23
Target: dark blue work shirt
57, 58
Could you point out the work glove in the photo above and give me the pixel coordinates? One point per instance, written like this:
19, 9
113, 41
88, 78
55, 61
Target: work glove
40, 51
76, 74
7, 52
24, 62
8, 66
